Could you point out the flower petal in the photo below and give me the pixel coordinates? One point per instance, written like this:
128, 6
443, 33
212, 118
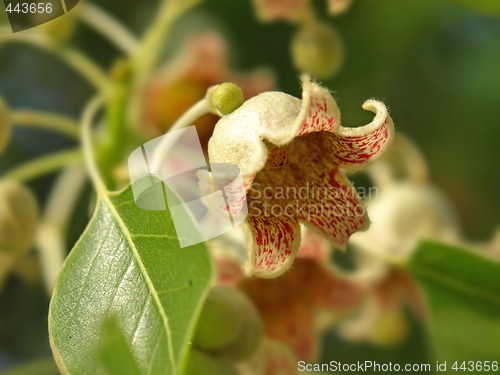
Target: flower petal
273, 116
290, 305
358, 146
331, 207
319, 111
273, 244
335, 211
311, 188
237, 137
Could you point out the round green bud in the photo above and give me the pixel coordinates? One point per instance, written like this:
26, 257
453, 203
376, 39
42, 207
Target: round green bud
18, 218
203, 363
317, 49
220, 322
251, 334
227, 97
5, 126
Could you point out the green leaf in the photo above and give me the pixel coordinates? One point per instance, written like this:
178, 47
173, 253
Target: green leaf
128, 264
114, 351
463, 294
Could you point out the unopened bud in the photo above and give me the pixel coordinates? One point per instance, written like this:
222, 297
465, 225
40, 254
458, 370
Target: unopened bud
18, 217
251, 334
5, 126
203, 363
227, 97
220, 322
317, 49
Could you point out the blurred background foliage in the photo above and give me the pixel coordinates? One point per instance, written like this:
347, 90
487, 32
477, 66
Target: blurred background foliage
436, 64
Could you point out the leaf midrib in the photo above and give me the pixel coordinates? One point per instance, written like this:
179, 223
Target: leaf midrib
149, 283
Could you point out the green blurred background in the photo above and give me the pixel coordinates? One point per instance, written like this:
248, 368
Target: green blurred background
436, 64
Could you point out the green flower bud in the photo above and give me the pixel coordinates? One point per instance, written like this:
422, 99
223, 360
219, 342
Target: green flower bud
227, 97
206, 364
220, 322
250, 336
5, 126
18, 218
317, 49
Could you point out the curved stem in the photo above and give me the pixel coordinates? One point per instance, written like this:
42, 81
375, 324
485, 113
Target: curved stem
89, 115
53, 226
45, 165
108, 26
47, 121
75, 59
414, 161
187, 119
146, 57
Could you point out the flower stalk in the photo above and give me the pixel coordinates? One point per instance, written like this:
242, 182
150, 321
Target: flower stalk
45, 165
46, 121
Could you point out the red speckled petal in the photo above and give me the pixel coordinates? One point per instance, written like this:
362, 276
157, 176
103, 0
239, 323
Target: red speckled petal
274, 243
331, 207
309, 186
319, 111
358, 146
335, 211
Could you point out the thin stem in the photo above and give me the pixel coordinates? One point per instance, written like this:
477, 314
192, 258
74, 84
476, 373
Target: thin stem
45, 165
47, 121
108, 26
89, 115
187, 119
147, 56
170, 11
51, 238
73, 58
